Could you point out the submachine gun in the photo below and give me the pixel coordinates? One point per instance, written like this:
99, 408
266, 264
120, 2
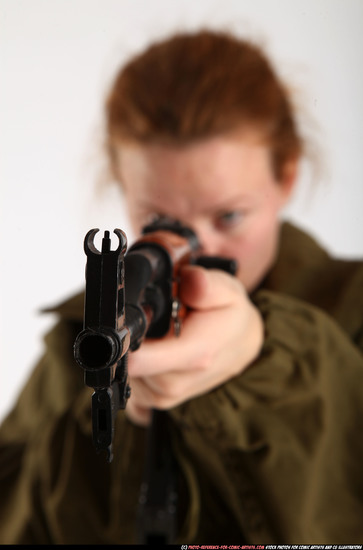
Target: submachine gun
129, 296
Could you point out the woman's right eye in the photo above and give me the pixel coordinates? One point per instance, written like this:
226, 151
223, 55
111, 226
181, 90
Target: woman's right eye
156, 217
152, 218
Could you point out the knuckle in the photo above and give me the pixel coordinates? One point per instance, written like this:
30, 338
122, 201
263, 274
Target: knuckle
163, 403
166, 390
204, 359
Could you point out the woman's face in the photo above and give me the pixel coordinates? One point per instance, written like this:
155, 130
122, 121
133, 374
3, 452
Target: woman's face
222, 187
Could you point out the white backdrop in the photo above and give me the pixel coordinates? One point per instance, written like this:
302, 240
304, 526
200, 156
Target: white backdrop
57, 58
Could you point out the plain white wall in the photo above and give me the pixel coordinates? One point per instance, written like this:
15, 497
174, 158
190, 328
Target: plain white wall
57, 58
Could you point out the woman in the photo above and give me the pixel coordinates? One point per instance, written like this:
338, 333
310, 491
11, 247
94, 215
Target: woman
263, 388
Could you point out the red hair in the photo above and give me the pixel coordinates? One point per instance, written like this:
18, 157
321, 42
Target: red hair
198, 85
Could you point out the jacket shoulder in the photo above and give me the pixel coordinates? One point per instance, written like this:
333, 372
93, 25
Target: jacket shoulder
70, 309
306, 271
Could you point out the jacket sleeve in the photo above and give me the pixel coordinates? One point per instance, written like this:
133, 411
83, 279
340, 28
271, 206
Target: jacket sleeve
274, 454
49, 391
280, 445
55, 489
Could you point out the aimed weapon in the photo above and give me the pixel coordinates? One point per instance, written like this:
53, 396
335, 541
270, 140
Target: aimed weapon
131, 296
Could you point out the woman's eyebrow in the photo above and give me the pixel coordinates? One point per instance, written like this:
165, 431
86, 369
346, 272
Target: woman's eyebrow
148, 205
232, 203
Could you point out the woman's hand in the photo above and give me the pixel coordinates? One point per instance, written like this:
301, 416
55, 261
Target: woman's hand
220, 336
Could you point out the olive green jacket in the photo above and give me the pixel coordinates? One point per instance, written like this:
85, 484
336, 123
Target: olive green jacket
274, 455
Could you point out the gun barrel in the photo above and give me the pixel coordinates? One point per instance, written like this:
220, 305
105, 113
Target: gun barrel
96, 350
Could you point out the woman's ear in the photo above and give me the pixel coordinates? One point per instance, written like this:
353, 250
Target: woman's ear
289, 177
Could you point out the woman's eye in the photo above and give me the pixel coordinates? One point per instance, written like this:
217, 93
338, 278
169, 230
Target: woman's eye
229, 219
152, 218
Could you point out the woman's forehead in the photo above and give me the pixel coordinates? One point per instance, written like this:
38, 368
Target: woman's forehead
202, 166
